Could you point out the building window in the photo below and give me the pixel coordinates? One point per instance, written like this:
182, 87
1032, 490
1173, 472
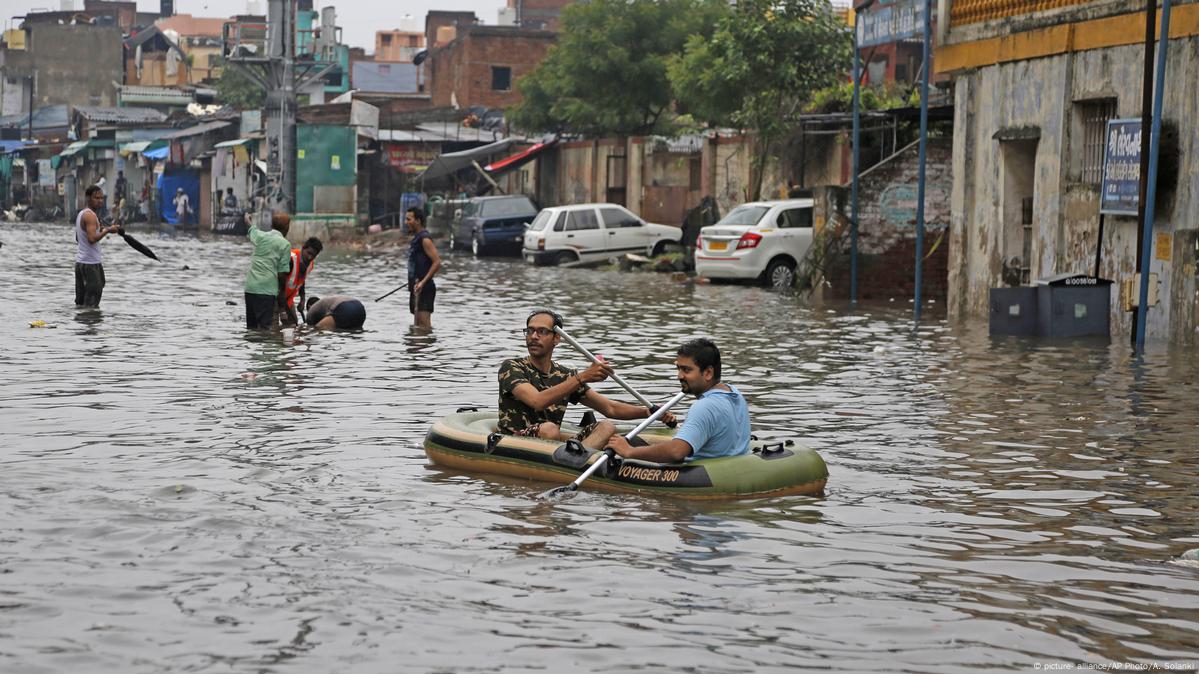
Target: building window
386, 40
696, 177
501, 78
1091, 118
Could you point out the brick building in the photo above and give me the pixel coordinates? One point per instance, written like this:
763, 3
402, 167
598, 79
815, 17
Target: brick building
542, 14
398, 46
481, 65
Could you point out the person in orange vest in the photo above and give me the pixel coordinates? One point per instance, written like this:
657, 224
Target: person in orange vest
302, 260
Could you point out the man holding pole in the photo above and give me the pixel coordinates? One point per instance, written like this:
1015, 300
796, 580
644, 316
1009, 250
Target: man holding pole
535, 391
423, 263
717, 424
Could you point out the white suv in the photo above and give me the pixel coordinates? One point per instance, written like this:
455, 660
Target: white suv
591, 233
763, 240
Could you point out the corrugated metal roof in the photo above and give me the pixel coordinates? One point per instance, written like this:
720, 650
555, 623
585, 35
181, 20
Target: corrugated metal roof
385, 78
120, 115
195, 130
410, 136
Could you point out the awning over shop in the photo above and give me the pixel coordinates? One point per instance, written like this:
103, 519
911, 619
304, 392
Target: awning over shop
519, 159
141, 146
81, 145
234, 143
74, 148
449, 164
157, 153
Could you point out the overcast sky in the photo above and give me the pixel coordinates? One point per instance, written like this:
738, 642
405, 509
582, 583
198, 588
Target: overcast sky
359, 19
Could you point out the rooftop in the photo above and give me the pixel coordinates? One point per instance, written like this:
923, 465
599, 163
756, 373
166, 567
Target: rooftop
119, 115
187, 25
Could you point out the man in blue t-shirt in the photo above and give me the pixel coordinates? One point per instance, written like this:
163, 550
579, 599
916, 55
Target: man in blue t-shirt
717, 424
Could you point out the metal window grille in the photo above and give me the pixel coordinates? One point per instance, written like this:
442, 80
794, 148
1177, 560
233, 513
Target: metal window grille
1095, 116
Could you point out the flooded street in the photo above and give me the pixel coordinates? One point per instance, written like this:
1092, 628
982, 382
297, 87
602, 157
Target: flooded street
180, 495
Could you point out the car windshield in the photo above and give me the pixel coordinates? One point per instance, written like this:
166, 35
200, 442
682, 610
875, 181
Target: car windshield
543, 218
505, 208
744, 215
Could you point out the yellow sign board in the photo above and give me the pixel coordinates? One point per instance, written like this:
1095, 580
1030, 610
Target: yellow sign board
1163, 245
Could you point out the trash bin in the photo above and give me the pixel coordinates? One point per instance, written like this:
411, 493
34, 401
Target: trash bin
1014, 311
1073, 305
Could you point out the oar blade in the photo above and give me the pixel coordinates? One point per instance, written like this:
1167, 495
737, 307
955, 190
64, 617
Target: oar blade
558, 493
139, 247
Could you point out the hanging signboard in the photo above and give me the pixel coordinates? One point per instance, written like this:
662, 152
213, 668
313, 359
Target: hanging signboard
1120, 190
890, 20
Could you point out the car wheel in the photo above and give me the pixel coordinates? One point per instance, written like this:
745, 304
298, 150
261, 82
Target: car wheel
659, 248
476, 246
563, 257
780, 274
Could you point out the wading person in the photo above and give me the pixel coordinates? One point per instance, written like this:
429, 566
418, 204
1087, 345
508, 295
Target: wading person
423, 263
89, 272
534, 390
717, 424
335, 312
266, 280
301, 263
182, 207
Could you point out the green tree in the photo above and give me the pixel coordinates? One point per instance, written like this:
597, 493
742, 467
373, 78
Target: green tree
235, 89
760, 67
607, 74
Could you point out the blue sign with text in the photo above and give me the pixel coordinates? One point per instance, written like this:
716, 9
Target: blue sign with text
1120, 191
887, 22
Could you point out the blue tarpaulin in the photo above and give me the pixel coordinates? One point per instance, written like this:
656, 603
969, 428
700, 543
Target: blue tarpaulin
158, 152
168, 183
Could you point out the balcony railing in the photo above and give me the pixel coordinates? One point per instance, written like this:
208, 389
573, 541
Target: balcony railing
962, 12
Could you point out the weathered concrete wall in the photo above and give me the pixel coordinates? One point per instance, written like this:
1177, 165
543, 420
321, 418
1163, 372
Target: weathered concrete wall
76, 65
997, 101
887, 227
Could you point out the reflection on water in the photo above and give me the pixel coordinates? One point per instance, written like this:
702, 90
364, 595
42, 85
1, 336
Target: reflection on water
183, 495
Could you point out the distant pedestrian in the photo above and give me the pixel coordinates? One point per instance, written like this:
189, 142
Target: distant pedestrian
423, 263
336, 312
266, 280
182, 207
230, 203
89, 272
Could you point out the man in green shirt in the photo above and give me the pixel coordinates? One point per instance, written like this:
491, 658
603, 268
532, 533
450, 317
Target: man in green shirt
266, 282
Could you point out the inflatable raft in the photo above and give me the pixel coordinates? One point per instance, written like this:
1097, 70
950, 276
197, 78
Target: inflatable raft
467, 441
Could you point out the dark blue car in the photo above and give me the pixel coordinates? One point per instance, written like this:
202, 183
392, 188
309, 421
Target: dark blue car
493, 225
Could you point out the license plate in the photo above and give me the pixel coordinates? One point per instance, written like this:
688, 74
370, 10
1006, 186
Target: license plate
718, 245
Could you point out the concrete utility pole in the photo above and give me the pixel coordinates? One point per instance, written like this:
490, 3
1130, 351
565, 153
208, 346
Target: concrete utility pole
271, 64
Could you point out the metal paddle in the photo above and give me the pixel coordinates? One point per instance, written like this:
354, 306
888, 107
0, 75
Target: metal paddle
558, 492
615, 377
393, 292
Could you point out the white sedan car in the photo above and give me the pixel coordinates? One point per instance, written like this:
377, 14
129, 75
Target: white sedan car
764, 240
591, 233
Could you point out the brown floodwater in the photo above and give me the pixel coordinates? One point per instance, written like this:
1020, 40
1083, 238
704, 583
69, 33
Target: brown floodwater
180, 496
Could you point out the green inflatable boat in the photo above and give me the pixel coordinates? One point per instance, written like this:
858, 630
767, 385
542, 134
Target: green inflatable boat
467, 441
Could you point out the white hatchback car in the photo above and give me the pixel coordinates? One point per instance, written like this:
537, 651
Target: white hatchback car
763, 240
591, 233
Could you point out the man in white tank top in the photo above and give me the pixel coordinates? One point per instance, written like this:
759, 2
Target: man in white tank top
89, 272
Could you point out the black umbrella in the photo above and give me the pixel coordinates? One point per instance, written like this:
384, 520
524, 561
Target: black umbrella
137, 245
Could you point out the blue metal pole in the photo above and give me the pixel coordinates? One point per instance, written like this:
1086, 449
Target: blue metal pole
1151, 184
853, 191
923, 149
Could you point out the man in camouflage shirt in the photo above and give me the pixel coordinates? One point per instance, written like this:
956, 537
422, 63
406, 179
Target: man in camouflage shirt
534, 391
